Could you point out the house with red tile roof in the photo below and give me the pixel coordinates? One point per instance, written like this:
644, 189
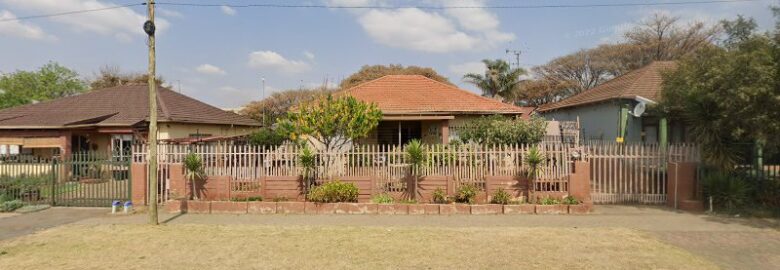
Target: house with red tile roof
620, 109
416, 107
110, 120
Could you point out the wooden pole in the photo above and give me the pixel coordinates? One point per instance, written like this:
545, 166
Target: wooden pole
152, 118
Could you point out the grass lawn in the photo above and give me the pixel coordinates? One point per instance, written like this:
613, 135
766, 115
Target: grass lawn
267, 247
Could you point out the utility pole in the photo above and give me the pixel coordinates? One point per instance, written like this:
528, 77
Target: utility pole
262, 97
149, 28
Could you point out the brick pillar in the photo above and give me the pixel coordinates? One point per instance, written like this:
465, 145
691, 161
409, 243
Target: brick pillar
579, 182
178, 184
139, 192
445, 131
681, 186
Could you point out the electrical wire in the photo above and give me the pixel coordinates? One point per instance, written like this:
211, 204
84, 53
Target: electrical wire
322, 6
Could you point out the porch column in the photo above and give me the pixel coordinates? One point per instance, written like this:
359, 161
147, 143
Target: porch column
663, 133
445, 131
65, 143
623, 125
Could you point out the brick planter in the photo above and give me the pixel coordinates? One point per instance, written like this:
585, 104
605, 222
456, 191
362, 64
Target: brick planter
320, 208
226, 207
423, 209
290, 208
198, 207
519, 209
556, 209
454, 209
355, 208
580, 209
393, 209
487, 209
261, 208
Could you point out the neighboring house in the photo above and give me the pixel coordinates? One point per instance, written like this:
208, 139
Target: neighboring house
110, 120
416, 107
607, 112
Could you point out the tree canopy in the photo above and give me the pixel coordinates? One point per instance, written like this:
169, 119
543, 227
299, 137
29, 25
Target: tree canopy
661, 37
279, 103
369, 73
499, 129
331, 123
112, 76
49, 82
499, 80
729, 94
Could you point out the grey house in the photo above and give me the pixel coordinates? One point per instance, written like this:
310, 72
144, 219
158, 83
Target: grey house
621, 110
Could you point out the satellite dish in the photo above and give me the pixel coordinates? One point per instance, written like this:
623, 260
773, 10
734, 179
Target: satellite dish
639, 109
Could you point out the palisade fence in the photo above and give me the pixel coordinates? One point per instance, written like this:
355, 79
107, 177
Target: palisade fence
388, 164
83, 179
633, 173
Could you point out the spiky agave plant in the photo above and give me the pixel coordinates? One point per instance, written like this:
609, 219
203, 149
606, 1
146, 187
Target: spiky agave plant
415, 156
535, 161
193, 166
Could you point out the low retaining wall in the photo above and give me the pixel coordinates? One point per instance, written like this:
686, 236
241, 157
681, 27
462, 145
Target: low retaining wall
230, 207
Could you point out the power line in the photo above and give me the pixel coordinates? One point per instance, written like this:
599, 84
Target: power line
429, 7
68, 13
323, 6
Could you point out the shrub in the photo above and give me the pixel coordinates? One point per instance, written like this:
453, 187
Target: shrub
383, 198
570, 200
467, 193
498, 129
335, 191
727, 190
10, 206
267, 137
549, 201
439, 196
501, 197
248, 199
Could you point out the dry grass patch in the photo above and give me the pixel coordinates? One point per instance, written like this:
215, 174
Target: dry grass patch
266, 247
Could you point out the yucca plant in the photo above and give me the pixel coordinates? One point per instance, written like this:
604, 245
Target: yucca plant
415, 156
193, 166
535, 161
307, 159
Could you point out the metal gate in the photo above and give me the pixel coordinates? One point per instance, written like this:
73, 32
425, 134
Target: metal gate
84, 180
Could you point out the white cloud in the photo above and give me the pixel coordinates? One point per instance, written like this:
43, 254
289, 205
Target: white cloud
210, 70
273, 60
469, 67
416, 29
18, 29
120, 23
228, 10
309, 55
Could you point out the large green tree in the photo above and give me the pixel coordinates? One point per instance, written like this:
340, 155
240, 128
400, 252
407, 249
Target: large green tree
730, 94
369, 73
332, 123
499, 80
49, 82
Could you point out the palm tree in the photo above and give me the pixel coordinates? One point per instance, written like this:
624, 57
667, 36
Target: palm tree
499, 79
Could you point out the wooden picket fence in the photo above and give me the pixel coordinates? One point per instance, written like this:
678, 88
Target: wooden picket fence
633, 173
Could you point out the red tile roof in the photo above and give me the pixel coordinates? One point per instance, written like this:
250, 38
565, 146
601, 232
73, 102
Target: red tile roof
645, 82
417, 94
125, 105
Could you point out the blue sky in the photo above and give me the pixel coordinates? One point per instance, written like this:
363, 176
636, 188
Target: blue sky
219, 54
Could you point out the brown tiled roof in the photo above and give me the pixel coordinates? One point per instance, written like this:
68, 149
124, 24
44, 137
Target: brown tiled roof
645, 82
417, 94
117, 106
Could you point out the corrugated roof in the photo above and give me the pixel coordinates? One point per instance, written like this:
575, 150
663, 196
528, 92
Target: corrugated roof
645, 82
417, 94
125, 105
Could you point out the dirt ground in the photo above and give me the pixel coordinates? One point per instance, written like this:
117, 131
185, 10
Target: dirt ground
180, 246
727, 242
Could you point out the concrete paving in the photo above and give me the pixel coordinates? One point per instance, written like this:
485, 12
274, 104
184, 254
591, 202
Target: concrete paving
17, 225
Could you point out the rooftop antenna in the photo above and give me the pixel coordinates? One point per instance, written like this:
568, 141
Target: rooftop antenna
517, 56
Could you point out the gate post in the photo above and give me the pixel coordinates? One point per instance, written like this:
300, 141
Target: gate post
138, 182
681, 186
579, 182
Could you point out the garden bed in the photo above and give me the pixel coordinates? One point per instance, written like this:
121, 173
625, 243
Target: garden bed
300, 208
